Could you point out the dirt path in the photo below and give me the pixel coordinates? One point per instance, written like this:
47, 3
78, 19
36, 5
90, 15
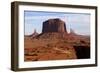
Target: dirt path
63, 51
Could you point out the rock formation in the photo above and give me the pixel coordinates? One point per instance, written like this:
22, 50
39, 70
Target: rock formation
54, 25
34, 34
54, 43
72, 32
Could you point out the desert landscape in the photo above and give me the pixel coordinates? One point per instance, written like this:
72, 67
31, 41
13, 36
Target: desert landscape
55, 43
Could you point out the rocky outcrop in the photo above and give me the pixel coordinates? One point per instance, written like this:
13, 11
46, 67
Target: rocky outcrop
34, 34
54, 25
72, 32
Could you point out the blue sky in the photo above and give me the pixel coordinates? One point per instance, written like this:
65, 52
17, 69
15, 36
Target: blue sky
79, 22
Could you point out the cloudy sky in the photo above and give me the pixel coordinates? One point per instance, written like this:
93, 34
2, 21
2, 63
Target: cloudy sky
79, 22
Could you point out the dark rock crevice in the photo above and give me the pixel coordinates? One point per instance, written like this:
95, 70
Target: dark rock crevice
82, 52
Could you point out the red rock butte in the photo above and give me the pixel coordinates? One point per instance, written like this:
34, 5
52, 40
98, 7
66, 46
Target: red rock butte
54, 25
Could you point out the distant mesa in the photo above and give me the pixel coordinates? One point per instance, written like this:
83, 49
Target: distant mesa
72, 32
54, 25
53, 28
34, 34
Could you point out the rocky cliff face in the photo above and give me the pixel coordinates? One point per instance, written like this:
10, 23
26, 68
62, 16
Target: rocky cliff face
54, 25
